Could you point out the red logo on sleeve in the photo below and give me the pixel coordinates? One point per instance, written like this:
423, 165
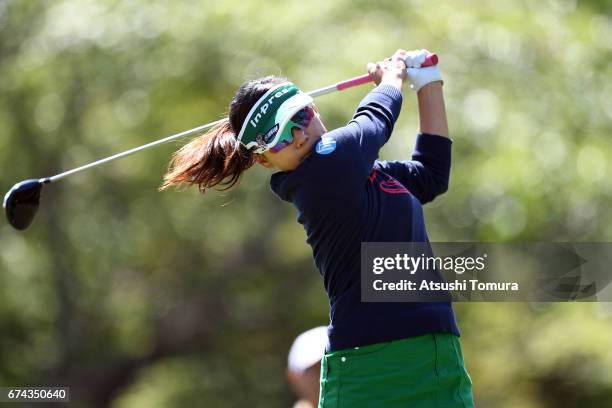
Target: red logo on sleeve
388, 184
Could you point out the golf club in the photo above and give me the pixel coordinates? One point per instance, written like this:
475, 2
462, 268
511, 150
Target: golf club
22, 201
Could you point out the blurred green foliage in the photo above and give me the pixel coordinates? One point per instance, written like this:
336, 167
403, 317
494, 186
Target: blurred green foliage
136, 298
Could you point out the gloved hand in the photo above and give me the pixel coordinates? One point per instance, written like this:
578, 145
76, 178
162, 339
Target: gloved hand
417, 76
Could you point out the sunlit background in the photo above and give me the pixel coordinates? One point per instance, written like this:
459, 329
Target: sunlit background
136, 298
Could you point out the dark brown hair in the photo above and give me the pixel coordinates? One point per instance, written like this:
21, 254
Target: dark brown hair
217, 157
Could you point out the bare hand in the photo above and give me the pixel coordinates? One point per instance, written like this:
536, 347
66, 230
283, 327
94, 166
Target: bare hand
392, 70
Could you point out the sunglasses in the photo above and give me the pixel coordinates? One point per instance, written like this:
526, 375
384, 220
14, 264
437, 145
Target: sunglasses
300, 120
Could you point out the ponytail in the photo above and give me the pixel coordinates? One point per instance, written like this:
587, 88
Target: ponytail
215, 158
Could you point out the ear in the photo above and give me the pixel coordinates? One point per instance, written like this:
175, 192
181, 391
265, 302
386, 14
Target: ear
261, 159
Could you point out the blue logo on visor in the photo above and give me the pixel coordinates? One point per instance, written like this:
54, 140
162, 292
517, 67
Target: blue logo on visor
326, 145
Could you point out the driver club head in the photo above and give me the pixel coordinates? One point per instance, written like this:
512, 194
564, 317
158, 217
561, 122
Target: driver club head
21, 202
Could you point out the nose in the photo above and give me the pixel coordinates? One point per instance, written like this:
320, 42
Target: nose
299, 137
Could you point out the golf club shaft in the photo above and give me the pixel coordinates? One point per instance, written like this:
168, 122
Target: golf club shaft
132, 151
339, 86
432, 59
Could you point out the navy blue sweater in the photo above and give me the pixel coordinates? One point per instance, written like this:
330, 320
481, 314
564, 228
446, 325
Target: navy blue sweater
345, 196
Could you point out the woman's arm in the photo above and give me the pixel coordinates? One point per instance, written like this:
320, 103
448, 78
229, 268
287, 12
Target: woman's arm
375, 117
427, 174
432, 113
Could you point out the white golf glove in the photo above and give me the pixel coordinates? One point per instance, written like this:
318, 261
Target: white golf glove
417, 76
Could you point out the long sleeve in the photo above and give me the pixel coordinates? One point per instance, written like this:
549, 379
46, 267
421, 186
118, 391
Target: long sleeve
373, 123
427, 174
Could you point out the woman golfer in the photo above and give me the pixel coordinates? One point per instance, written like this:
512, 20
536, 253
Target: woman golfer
379, 354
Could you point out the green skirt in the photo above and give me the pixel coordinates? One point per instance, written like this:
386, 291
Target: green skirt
425, 371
